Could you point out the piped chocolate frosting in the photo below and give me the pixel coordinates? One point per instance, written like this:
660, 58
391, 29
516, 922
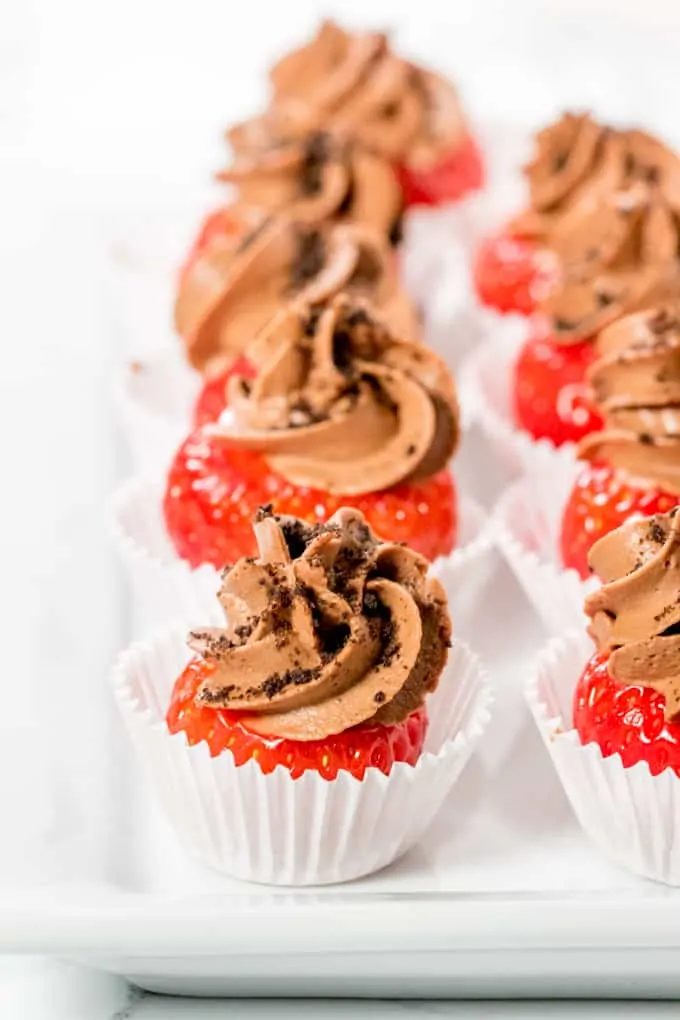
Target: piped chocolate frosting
636, 387
229, 294
635, 615
327, 628
341, 403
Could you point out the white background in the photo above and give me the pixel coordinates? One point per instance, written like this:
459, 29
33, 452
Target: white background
104, 106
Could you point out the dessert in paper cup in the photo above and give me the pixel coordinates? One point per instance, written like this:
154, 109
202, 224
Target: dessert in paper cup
311, 734
550, 519
614, 243
610, 717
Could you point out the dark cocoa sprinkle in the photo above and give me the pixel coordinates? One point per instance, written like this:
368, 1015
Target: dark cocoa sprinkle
348, 201
560, 161
666, 611
342, 353
655, 532
390, 645
603, 299
396, 231
263, 512
564, 325
278, 682
317, 154
311, 256
358, 317
216, 645
646, 439
297, 536
312, 321
379, 697
209, 697
411, 449
244, 631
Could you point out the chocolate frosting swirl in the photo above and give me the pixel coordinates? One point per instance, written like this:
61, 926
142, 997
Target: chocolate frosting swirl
636, 386
228, 295
618, 257
328, 628
353, 84
319, 178
635, 615
341, 404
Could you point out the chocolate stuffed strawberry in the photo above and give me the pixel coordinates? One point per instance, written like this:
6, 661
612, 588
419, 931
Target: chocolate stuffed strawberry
332, 641
353, 84
621, 257
577, 164
628, 698
633, 465
340, 412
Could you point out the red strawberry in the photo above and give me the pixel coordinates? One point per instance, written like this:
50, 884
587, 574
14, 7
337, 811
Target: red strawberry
222, 223
449, 179
551, 397
354, 751
511, 274
625, 719
212, 399
214, 490
601, 501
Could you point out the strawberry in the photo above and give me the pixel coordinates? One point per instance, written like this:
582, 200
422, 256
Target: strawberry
354, 751
222, 223
212, 399
510, 274
625, 719
213, 491
449, 179
551, 396
600, 501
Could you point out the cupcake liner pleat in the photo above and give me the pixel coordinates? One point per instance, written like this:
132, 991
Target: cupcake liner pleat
486, 384
276, 830
631, 816
526, 523
165, 587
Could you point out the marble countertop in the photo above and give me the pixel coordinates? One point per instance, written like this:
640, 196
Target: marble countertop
37, 989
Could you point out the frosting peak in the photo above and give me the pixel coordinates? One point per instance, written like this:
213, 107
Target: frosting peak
353, 84
635, 615
341, 404
317, 178
328, 628
636, 386
229, 294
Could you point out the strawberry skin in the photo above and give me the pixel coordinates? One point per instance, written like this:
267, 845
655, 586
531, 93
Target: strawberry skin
354, 751
551, 396
625, 719
509, 274
452, 177
600, 501
213, 492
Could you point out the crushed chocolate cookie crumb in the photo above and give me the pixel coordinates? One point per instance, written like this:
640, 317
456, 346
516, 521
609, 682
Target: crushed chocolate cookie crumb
379, 697
209, 697
655, 532
263, 512
646, 439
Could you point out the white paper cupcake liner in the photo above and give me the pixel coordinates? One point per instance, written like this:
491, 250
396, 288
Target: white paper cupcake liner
154, 399
309, 831
632, 816
165, 587
486, 381
526, 522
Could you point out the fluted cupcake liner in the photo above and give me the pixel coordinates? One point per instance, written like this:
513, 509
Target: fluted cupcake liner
486, 382
164, 587
526, 522
632, 816
308, 831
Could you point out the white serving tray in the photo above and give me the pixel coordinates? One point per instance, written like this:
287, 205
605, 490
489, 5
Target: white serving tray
506, 896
